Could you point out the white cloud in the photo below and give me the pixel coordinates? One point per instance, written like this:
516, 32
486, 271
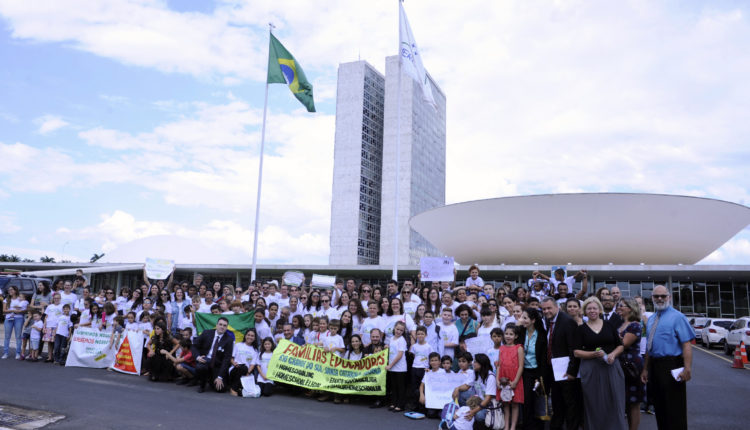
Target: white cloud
735, 251
50, 123
8, 224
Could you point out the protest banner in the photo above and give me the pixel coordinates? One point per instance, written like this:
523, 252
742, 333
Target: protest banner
129, 354
479, 344
436, 269
323, 281
311, 367
438, 388
89, 347
238, 323
159, 268
292, 278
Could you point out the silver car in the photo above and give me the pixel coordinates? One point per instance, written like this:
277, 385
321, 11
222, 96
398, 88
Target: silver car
715, 331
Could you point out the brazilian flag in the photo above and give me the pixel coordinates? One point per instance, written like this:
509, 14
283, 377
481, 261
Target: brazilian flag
284, 69
238, 323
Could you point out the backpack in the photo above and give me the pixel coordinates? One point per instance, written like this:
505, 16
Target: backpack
447, 416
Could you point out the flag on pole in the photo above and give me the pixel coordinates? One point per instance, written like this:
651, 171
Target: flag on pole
284, 69
410, 56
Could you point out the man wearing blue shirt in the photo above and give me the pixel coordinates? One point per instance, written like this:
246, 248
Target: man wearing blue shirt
669, 335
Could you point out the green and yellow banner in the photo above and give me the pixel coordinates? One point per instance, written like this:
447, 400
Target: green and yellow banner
238, 323
311, 367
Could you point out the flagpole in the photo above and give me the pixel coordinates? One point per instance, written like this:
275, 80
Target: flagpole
398, 156
260, 170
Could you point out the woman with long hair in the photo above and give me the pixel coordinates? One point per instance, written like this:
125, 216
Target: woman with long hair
534, 338
14, 307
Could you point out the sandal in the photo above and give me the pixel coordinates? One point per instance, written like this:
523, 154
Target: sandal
397, 410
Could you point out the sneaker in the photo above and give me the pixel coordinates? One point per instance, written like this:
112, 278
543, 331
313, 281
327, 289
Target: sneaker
18, 357
5, 356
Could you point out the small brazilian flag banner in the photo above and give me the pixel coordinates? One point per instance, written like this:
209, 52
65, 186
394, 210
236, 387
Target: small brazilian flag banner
284, 69
238, 323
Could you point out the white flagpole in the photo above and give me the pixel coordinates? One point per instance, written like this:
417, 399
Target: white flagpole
398, 155
260, 169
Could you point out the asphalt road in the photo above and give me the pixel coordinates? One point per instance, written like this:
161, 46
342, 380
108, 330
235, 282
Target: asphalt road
717, 398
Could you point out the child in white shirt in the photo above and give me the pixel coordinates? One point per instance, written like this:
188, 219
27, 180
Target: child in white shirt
434, 360
62, 333
461, 421
448, 333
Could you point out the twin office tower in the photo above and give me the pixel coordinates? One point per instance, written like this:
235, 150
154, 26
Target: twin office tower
364, 172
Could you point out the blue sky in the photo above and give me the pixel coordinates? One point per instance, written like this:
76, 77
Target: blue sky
134, 119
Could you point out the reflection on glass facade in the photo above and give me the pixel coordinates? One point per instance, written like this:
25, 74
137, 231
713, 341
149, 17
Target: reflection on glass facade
368, 240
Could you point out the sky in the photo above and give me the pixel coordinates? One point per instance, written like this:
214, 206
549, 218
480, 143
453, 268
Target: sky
132, 123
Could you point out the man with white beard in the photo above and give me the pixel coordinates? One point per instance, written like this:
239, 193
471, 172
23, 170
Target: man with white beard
668, 348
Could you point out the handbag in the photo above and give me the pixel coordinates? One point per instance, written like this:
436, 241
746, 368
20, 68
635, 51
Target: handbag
494, 418
249, 387
630, 371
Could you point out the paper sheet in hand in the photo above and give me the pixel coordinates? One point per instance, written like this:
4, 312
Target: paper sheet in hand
436, 268
323, 280
479, 344
438, 388
560, 367
676, 373
159, 268
293, 279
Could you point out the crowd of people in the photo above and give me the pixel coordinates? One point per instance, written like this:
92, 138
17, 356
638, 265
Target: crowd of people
600, 358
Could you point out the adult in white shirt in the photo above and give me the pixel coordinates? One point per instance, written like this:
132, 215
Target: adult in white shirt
410, 301
80, 304
68, 297
14, 307
283, 299
394, 315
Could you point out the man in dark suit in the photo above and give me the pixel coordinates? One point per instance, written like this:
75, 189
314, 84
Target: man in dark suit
567, 398
213, 352
610, 311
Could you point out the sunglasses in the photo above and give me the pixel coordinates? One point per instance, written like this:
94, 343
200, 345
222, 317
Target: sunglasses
659, 296
325, 301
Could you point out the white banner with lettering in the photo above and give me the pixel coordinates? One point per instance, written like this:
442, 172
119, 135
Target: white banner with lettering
436, 269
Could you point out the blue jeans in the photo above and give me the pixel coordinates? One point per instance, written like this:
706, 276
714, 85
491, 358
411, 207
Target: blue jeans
60, 343
17, 323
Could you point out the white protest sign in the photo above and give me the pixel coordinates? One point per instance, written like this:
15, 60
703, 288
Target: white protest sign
479, 344
293, 278
323, 280
89, 347
438, 388
436, 269
158, 268
129, 354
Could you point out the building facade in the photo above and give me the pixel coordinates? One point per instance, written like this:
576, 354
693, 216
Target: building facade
421, 182
364, 180
358, 164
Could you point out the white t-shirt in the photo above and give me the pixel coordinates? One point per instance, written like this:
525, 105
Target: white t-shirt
263, 330
468, 375
421, 355
494, 355
53, 312
488, 386
368, 324
132, 326
569, 281
283, 301
205, 308
37, 334
69, 299
245, 354
17, 304
356, 324
479, 282
448, 335
351, 355
433, 339
63, 325
461, 422
397, 345
120, 303
390, 323
263, 363
334, 341
410, 308
85, 317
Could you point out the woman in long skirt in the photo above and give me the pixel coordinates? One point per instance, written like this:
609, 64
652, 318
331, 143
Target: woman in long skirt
602, 379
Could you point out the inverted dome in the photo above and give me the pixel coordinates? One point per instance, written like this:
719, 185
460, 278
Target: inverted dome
588, 228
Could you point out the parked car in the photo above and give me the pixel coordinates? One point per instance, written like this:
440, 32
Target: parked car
738, 332
27, 285
698, 323
715, 331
